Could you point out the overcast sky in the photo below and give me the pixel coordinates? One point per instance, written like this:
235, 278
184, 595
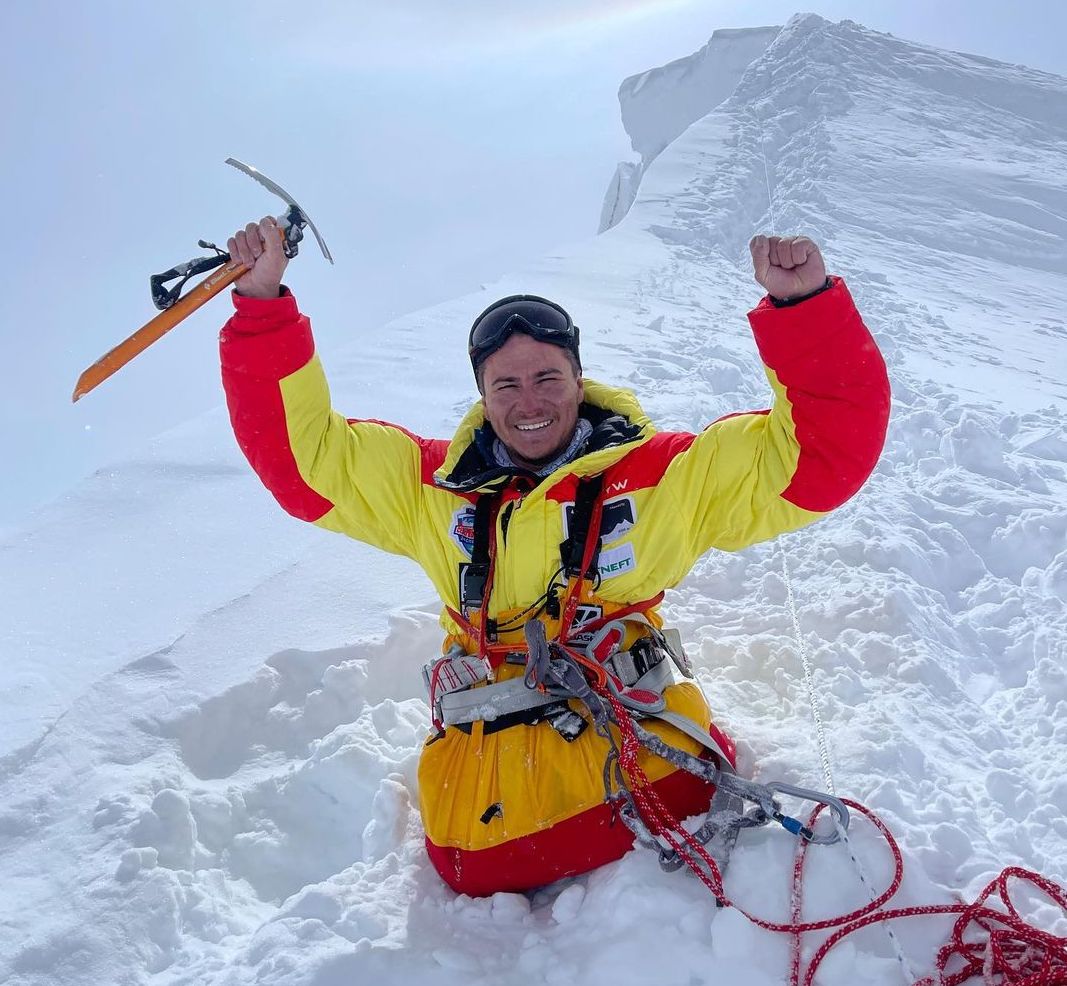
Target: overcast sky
436, 145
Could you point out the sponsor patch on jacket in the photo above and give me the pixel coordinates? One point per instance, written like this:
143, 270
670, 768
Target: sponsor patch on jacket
585, 613
462, 531
617, 561
618, 516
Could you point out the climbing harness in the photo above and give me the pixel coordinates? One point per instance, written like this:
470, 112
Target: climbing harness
618, 688
558, 669
615, 686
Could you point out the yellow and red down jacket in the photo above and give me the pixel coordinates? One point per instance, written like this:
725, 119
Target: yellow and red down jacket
518, 807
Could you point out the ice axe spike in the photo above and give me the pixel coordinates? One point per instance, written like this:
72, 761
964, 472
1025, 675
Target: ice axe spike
176, 307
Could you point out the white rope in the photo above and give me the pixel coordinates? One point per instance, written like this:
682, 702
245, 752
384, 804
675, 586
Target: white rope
802, 649
766, 174
809, 677
824, 755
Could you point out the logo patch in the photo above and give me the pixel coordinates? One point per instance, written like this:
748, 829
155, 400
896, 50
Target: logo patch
617, 561
617, 517
585, 613
463, 529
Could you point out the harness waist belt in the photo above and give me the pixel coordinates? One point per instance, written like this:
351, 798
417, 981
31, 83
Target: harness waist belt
506, 697
512, 696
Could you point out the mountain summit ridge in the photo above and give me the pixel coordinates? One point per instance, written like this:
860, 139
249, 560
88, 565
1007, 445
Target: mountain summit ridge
212, 714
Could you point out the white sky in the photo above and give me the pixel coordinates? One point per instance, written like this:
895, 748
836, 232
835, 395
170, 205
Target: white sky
436, 146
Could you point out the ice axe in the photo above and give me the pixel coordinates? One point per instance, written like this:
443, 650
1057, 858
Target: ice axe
174, 307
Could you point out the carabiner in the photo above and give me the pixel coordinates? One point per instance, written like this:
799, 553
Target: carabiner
836, 805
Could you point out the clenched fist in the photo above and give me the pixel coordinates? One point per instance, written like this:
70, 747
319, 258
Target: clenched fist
259, 247
787, 266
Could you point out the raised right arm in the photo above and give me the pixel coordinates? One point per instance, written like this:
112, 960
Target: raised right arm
361, 478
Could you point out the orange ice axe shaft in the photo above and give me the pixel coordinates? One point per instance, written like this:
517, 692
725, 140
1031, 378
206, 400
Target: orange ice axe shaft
153, 330
176, 308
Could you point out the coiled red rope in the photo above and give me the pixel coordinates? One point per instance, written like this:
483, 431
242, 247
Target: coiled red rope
994, 944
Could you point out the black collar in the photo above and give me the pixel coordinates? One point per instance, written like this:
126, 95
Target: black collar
477, 466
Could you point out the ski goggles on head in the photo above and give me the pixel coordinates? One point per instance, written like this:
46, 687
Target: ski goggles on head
538, 318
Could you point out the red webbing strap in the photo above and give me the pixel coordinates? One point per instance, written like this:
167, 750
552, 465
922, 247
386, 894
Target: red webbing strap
593, 625
487, 593
620, 614
589, 549
462, 622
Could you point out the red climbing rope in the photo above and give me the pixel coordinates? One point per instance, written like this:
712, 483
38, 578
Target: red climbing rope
1003, 948
1006, 949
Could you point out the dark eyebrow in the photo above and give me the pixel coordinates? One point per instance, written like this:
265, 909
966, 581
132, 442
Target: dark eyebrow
550, 371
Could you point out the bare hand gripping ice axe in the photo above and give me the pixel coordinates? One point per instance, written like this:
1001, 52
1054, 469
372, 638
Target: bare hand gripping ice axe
174, 307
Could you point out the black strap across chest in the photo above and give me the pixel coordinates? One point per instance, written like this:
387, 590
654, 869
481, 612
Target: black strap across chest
473, 576
573, 548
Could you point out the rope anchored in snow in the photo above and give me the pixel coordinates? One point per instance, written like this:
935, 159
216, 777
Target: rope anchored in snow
561, 670
1007, 952
1003, 949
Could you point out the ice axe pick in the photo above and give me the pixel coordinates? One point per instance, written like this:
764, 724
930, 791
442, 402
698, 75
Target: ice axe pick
175, 307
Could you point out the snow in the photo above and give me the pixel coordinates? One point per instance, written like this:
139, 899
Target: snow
211, 714
659, 104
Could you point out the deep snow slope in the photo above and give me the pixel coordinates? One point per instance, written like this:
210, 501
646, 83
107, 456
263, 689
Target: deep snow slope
212, 715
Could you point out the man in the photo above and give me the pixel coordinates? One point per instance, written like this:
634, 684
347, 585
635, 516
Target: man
557, 503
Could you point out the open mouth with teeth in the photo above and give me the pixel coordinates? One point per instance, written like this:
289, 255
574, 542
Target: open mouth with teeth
534, 425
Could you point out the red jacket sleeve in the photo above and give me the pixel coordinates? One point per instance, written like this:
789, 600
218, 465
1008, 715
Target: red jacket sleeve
262, 343
836, 383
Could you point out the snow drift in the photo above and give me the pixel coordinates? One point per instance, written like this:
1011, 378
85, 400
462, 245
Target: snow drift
212, 714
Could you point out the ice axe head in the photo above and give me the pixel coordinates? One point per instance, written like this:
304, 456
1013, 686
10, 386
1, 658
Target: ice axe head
174, 306
291, 224
295, 217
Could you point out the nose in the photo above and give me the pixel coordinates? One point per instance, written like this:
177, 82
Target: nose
527, 401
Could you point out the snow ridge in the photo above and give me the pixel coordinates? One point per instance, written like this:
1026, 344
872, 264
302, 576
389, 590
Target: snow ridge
235, 803
661, 103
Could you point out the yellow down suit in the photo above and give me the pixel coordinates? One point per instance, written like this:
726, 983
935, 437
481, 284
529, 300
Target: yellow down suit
512, 805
